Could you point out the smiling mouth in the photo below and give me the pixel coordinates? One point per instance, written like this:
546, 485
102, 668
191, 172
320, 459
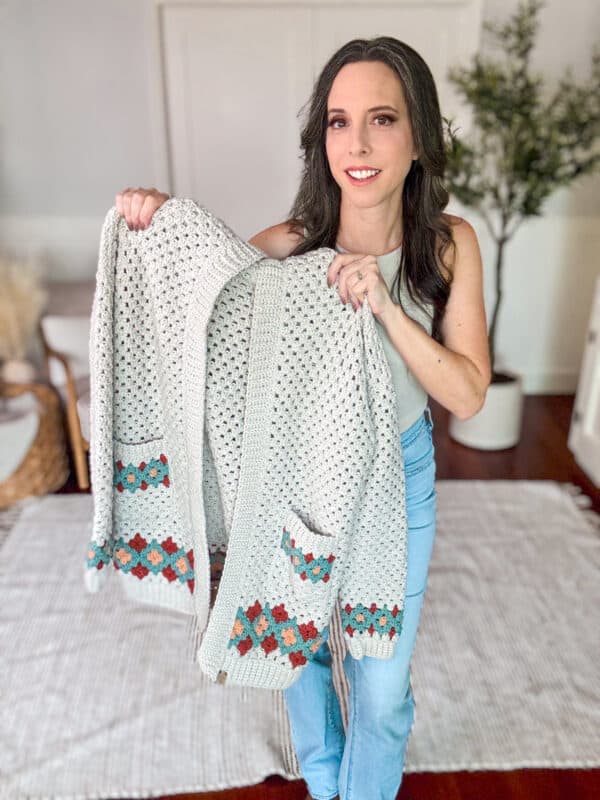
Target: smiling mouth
362, 176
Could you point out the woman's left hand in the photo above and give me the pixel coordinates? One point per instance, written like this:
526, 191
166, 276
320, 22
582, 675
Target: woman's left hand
345, 267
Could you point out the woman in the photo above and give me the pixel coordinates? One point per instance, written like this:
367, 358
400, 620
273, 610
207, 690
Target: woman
373, 189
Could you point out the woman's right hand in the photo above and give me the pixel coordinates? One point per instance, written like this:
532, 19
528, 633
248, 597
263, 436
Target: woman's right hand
139, 205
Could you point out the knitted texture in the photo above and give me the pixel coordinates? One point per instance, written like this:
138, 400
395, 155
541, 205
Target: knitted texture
243, 431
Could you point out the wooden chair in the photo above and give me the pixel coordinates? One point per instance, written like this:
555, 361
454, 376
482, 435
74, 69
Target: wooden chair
78, 443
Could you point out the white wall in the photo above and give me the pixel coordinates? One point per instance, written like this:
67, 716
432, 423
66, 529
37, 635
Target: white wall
78, 103
74, 123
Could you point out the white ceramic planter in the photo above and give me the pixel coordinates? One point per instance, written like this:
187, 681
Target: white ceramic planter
498, 424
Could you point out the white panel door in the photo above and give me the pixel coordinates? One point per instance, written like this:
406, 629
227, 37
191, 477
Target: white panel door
584, 434
236, 77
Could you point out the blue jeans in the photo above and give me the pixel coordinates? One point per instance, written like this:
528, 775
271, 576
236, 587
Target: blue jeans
367, 762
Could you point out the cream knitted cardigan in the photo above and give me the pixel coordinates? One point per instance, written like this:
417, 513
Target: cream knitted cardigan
243, 420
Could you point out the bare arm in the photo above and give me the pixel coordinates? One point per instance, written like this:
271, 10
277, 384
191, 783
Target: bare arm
456, 373
276, 241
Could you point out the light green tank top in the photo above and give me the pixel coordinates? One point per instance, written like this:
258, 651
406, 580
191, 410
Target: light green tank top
412, 397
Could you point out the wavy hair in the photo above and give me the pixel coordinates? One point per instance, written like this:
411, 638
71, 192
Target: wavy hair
317, 203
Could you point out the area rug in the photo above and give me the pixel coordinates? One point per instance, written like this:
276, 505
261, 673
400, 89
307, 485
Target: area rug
98, 702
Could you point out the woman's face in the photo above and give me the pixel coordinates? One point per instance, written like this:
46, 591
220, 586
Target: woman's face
359, 136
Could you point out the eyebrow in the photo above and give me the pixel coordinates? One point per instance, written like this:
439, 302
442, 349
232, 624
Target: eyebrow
375, 108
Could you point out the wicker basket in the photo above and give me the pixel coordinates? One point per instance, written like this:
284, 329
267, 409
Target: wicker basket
45, 467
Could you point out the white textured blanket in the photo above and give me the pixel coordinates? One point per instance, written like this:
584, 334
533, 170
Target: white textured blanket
89, 710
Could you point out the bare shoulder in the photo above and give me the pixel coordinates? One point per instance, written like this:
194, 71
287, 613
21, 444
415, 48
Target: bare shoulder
453, 220
278, 241
465, 242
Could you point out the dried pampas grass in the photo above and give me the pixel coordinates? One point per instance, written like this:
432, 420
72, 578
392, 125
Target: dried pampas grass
22, 299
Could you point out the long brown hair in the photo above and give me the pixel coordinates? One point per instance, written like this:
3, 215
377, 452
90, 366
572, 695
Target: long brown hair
317, 203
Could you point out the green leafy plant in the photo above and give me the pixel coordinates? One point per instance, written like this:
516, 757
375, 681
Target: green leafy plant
525, 142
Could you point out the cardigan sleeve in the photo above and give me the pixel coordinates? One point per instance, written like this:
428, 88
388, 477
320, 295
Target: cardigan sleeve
101, 347
129, 458
373, 583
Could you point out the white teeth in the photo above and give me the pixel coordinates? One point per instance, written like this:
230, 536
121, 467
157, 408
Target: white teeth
365, 173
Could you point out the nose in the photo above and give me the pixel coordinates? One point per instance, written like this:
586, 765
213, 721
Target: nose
360, 140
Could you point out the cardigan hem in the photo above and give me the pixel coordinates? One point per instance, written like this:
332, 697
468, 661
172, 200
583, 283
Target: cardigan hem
373, 646
169, 596
243, 671
94, 578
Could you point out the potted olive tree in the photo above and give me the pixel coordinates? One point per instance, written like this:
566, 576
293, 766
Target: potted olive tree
523, 145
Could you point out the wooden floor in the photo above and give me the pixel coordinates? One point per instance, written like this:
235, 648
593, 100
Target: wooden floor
541, 454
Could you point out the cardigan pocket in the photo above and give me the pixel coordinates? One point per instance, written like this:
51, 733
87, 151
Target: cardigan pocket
291, 601
311, 557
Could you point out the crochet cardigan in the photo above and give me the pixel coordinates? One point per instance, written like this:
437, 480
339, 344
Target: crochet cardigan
243, 437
